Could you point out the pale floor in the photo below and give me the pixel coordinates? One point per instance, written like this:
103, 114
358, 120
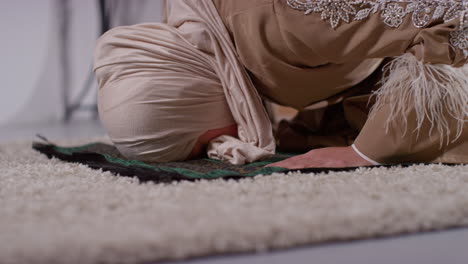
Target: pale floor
445, 247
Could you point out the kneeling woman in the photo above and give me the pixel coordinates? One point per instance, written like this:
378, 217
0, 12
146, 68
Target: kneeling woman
375, 82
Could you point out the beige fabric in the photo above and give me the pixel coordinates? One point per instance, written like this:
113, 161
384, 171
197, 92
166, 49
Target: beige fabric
347, 117
422, 111
299, 60
401, 145
163, 85
290, 61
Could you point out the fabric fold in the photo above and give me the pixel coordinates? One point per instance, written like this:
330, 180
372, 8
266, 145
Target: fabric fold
255, 133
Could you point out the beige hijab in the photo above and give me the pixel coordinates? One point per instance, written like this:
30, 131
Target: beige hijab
163, 85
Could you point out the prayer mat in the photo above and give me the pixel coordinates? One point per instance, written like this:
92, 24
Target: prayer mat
106, 157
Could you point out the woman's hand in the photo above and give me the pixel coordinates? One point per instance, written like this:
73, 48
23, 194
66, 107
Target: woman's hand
335, 157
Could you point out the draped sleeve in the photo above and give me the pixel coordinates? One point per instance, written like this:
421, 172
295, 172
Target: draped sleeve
420, 110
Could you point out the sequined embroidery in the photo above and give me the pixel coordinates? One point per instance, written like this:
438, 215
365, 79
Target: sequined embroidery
459, 39
393, 12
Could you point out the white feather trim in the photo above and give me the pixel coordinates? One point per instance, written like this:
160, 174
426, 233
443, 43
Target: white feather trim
437, 93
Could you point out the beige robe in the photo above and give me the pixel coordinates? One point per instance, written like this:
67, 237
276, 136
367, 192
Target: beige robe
328, 73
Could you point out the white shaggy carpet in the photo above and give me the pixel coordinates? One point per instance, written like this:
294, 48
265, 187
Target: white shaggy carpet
54, 212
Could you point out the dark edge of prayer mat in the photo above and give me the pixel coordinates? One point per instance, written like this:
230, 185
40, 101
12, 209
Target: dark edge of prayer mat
106, 157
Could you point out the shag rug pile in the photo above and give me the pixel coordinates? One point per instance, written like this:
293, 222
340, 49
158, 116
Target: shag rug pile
57, 212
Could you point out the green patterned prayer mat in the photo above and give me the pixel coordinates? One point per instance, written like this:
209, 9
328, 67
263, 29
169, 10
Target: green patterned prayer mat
107, 158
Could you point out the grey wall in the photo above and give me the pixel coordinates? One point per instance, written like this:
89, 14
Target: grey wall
23, 49
30, 66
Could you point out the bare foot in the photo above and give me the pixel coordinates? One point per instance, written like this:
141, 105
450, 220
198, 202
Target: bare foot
336, 157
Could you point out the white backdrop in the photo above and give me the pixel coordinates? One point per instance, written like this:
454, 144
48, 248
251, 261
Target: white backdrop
30, 69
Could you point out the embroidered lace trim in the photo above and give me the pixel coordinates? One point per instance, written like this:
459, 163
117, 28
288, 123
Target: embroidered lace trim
393, 12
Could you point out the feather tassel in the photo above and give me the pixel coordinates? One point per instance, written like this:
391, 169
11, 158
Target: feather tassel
436, 93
